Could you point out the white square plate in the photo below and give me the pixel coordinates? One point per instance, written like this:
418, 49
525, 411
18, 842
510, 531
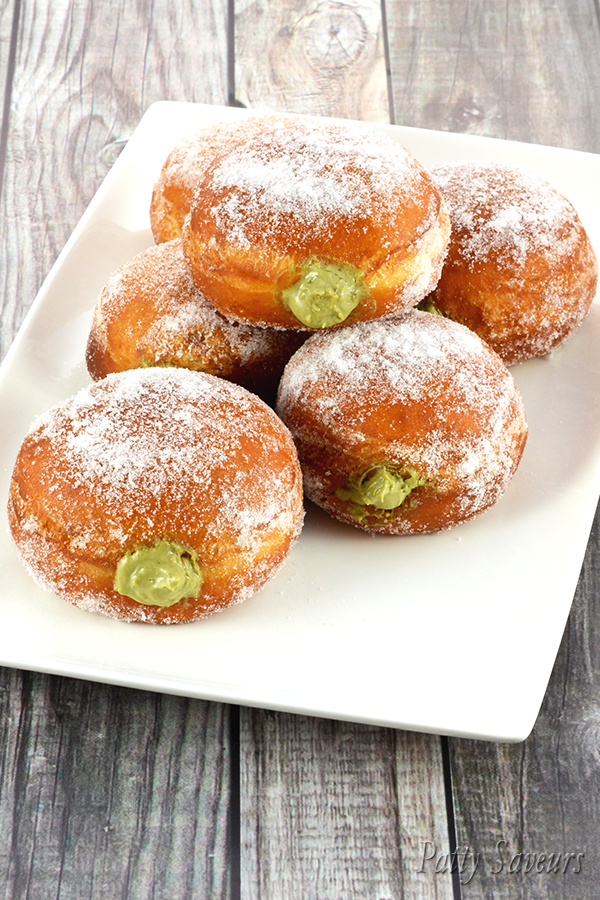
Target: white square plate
452, 633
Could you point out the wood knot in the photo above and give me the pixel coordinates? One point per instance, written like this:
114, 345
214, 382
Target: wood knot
334, 36
111, 151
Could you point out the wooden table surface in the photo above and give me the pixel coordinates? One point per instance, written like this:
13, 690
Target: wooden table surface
109, 793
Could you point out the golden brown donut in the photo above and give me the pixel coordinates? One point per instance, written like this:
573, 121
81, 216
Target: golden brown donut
314, 224
403, 426
156, 495
520, 269
151, 313
185, 167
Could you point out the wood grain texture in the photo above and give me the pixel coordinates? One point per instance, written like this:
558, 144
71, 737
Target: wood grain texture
532, 810
112, 793
319, 58
8, 24
108, 792
332, 809
526, 71
103, 792
85, 73
329, 809
7, 10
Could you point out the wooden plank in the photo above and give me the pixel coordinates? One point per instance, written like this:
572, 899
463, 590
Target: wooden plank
315, 835
318, 58
7, 13
104, 792
329, 809
8, 24
85, 74
524, 71
333, 809
108, 792
529, 813
531, 810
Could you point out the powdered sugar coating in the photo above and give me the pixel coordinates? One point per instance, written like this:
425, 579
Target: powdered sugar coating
520, 268
186, 166
306, 189
183, 309
315, 176
157, 454
506, 211
421, 393
150, 312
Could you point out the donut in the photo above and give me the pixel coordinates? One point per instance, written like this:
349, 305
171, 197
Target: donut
185, 166
150, 313
520, 269
403, 426
315, 224
156, 495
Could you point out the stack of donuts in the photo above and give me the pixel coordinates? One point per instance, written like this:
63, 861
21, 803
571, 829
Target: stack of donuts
320, 317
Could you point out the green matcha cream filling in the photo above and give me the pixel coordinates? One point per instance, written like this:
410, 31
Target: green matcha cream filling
428, 305
382, 488
160, 575
325, 294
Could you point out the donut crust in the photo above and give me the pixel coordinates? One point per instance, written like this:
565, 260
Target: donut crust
520, 269
420, 396
305, 190
148, 455
150, 313
185, 167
